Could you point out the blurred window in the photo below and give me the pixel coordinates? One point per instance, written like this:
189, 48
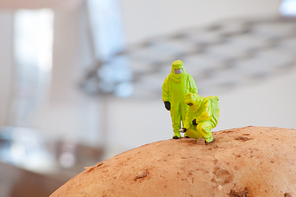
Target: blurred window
288, 8
33, 37
106, 26
108, 38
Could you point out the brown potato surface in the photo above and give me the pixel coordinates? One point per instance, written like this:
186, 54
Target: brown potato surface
241, 162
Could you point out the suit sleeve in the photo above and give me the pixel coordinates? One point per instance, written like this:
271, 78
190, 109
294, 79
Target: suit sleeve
192, 85
165, 90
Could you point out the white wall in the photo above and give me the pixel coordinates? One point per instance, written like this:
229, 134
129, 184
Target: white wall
269, 103
146, 18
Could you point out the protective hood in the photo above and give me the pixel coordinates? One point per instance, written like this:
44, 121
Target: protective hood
178, 65
195, 99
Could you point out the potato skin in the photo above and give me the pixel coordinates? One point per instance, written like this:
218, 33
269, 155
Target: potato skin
249, 161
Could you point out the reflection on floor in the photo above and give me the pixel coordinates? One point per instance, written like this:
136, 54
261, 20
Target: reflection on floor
31, 165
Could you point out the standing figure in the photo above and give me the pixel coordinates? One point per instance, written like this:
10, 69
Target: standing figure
176, 85
202, 116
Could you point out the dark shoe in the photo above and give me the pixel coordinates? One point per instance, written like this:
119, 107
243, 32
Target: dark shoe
209, 142
176, 137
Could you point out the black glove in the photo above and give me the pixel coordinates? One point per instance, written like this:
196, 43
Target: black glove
194, 122
167, 105
184, 130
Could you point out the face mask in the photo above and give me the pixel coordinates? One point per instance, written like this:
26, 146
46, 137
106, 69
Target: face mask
178, 71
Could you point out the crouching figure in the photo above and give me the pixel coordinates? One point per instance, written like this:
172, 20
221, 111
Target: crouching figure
202, 116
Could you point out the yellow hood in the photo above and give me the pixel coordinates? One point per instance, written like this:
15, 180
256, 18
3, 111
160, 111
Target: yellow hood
177, 65
195, 99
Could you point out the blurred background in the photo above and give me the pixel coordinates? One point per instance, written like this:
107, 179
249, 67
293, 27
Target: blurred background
80, 80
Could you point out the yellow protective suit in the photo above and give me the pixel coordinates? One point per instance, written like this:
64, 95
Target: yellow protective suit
206, 112
174, 89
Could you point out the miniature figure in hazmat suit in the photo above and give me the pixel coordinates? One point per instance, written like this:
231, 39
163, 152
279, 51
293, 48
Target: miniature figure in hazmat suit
202, 116
176, 85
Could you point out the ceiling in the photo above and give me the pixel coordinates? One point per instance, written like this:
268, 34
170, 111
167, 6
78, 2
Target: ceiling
38, 4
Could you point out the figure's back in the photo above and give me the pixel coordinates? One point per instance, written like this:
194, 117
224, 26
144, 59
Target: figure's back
214, 102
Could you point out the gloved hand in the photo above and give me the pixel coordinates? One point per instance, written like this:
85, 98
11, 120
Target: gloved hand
183, 130
194, 122
167, 105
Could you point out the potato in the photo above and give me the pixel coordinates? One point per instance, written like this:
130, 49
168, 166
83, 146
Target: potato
241, 162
